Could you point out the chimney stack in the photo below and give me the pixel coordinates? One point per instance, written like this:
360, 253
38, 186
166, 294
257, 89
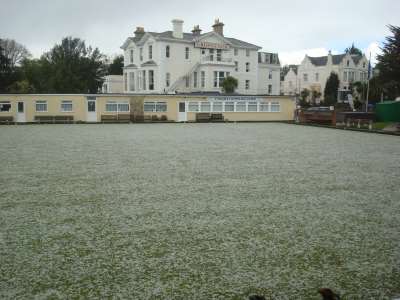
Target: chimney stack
177, 31
218, 27
139, 32
196, 30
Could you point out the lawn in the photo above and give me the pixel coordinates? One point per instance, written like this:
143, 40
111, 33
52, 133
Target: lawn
198, 211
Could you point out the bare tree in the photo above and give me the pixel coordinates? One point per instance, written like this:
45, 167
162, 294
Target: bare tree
14, 51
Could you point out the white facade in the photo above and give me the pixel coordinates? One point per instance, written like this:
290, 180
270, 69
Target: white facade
313, 72
178, 62
113, 84
290, 84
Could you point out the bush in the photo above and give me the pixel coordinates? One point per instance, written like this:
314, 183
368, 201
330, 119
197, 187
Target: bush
154, 118
163, 118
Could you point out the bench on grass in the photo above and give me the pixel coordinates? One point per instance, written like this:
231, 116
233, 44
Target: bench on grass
121, 118
6, 119
217, 117
54, 119
203, 117
63, 119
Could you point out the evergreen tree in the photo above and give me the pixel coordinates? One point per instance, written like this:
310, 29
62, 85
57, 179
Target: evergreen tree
389, 64
117, 65
331, 89
353, 50
71, 67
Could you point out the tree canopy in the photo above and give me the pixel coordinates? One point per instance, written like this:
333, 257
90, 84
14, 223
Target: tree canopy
389, 64
353, 50
71, 67
331, 89
14, 51
117, 65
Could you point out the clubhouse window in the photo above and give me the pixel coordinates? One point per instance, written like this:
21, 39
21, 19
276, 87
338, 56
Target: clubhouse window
113, 106
155, 106
5, 106
275, 107
241, 106
41, 106
193, 106
252, 106
66, 106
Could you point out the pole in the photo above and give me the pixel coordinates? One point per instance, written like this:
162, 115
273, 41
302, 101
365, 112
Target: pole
369, 75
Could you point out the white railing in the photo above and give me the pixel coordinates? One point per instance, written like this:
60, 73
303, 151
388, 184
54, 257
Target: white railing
180, 79
215, 58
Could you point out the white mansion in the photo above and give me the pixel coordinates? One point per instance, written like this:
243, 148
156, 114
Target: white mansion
178, 62
313, 73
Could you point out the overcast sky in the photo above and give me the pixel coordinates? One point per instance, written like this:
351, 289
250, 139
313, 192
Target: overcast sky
291, 28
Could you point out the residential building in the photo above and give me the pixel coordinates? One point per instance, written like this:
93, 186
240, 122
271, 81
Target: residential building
113, 84
178, 62
290, 84
313, 72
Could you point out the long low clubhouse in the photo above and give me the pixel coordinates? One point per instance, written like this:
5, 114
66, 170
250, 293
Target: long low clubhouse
70, 108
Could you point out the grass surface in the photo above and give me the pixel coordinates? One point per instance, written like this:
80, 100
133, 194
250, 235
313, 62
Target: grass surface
197, 211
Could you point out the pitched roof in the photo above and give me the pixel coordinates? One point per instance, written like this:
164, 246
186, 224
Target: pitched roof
190, 37
336, 59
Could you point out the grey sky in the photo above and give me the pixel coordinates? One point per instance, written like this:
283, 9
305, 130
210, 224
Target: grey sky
291, 28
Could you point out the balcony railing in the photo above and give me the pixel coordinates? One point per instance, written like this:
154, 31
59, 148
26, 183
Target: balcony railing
216, 59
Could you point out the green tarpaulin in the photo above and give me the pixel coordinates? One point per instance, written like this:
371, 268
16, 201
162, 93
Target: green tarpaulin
388, 111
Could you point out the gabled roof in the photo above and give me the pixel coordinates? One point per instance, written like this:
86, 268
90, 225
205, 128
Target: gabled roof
336, 59
190, 37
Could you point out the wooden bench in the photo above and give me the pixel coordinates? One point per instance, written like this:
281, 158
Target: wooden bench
44, 119
203, 117
124, 118
109, 118
217, 117
6, 119
63, 119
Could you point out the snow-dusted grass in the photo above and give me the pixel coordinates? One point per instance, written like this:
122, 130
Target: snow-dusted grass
197, 211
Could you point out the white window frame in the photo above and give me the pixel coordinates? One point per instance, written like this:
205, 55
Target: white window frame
131, 53
116, 107
6, 103
41, 102
131, 81
150, 52
193, 106
203, 79
69, 102
275, 104
155, 106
